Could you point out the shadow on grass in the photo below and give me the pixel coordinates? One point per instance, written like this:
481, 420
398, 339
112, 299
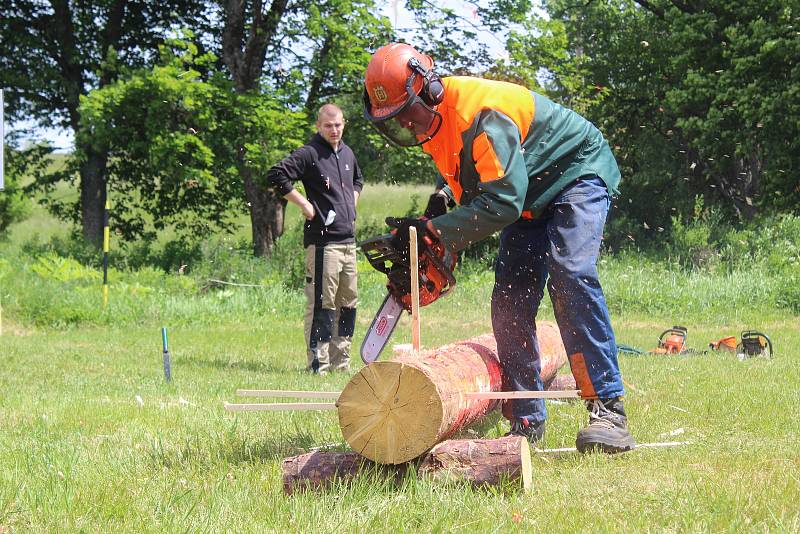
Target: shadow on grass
245, 365
278, 447
232, 448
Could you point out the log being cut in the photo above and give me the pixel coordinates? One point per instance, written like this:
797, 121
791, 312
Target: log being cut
394, 411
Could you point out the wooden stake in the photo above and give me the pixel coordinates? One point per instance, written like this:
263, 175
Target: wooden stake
638, 446
415, 331
280, 406
281, 393
572, 394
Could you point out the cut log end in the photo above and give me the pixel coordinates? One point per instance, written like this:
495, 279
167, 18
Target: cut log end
390, 412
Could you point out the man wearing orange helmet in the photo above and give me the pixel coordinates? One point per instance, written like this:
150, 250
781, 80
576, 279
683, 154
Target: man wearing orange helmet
518, 163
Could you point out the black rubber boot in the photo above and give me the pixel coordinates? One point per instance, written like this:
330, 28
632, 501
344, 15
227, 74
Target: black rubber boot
608, 428
532, 431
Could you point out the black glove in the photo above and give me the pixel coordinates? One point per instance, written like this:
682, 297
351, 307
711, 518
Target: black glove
400, 239
437, 205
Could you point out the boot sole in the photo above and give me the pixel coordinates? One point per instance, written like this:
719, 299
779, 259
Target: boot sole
608, 446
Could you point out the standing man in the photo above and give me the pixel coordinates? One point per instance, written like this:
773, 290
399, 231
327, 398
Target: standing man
332, 182
541, 174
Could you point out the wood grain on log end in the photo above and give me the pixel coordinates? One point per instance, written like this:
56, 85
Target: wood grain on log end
390, 412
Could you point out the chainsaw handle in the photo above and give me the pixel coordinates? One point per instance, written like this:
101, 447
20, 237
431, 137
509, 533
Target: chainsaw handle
749, 334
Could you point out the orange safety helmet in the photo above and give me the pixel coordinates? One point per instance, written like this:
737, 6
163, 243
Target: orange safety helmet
401, 93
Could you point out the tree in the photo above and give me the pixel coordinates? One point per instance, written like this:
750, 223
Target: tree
304, 52
14, 204
697, 98
168, 132
52, 52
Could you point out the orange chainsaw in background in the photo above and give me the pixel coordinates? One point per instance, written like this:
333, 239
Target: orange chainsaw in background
753, 344
672, 341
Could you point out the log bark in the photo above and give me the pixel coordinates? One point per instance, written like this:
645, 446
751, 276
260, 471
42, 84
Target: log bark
394, 411
320, 470
480, 462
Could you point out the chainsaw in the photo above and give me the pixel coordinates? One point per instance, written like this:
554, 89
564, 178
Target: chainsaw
672, 341
753, 343
436, 265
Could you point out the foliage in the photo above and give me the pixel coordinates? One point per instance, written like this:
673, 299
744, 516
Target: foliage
52, 53
14, 204
172, 164
695, 99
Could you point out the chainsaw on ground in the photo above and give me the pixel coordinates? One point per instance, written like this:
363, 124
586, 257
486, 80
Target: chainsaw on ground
672, 341
436, 265
752, 344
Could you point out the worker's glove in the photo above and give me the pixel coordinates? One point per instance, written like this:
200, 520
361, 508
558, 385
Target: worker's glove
437, 205
400, 239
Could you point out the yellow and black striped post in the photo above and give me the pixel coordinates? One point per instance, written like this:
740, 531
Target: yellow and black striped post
105, 254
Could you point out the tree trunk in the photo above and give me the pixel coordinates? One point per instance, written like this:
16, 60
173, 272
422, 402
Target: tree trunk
93, 194
266, 214
561, 383
320, 470
394, 411
248, 31
480, 462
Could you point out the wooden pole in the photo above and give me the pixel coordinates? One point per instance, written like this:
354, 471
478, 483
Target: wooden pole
105, 255
285, 393
415, 329
280, 406
504, 395
2, 142
2, 182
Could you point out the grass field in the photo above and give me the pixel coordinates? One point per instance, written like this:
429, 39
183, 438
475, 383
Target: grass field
93, 439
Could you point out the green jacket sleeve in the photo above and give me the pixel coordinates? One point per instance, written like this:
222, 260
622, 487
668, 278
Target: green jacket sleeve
490, 200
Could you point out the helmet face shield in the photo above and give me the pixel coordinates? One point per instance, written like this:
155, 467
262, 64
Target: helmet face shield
411, 124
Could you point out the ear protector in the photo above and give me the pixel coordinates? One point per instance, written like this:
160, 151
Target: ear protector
432, 92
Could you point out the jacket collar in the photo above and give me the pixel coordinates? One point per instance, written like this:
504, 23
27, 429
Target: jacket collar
319, 140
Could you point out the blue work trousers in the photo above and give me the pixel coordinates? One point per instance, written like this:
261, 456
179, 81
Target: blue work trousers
560, 248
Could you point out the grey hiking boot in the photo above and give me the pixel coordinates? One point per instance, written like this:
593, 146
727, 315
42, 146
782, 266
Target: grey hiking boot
532, 431
608, 428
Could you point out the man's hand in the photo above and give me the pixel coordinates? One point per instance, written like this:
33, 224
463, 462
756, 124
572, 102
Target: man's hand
400, 241
308, 210
437, 205
301, 202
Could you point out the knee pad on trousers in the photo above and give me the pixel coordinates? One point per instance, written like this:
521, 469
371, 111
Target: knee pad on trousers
347, 321
322, 326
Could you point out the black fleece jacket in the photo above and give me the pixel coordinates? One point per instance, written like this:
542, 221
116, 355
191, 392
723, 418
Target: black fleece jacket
329, 178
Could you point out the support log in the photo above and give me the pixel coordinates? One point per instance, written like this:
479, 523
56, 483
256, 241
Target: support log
480, 462
320, 470
394, 411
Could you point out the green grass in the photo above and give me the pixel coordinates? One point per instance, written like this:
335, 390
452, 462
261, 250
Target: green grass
80, 452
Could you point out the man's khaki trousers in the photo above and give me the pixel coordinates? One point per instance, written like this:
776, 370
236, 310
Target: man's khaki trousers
331, 299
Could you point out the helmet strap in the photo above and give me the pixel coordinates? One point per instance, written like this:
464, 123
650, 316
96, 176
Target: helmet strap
432, 89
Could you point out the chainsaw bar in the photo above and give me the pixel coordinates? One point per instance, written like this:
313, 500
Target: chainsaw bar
381, 329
